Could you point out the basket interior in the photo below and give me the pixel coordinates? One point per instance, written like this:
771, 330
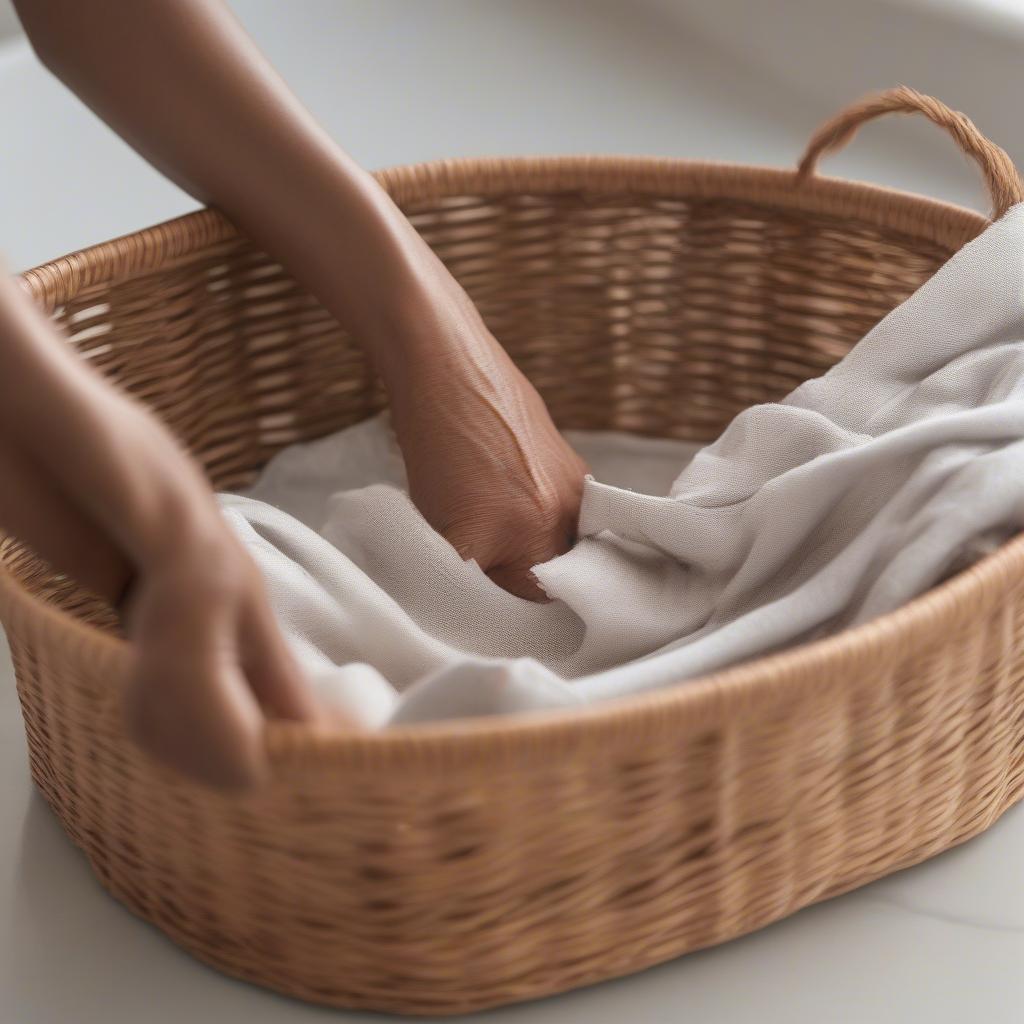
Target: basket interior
640, 313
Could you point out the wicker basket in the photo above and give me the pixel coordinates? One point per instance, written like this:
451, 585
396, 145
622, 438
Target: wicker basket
454, 866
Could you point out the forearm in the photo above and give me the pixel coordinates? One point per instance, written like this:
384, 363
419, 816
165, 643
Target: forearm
35, 510
97, 487
184, 84
74, 442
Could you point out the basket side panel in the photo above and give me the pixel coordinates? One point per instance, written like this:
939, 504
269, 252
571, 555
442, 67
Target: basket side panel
233, 355
450, 890
435, 889
642, 313
668, 316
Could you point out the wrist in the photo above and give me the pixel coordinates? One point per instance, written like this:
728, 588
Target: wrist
427, 329
404, 305
169, 508
340, 235
345, 240
188, 523
183, 542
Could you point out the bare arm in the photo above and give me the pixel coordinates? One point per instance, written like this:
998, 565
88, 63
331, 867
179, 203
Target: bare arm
182, 82
102, 490
98, 487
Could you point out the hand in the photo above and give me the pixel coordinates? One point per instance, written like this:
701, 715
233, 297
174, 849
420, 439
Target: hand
486, 465
100, 489
209, 662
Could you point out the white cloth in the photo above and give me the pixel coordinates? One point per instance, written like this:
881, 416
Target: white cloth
857, 492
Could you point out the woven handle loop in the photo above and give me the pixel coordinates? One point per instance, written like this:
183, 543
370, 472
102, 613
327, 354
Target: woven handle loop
1004, 183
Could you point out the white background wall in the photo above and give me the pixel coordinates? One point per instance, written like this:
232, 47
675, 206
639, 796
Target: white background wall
8, 20
404, 80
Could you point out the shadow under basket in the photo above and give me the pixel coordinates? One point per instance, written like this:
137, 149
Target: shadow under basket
448, 867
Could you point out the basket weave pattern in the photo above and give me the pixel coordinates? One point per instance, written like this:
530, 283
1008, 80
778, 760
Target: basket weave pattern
450, 867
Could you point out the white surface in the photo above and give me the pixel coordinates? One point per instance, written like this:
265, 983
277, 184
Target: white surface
402, 80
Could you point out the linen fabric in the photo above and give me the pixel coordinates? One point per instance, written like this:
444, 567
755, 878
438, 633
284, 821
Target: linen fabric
863, 488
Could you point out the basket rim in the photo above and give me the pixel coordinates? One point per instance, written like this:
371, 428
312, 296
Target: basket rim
686, 707
160, 245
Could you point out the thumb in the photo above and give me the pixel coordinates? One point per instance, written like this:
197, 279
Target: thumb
188, 703
200, 719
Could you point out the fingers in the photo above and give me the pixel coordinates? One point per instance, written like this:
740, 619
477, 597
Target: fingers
516, 574
518, 580
270, 667
205, 726
211, 665
189, 703
507, 560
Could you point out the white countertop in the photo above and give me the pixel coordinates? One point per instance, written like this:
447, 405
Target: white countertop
403, 80
942, 943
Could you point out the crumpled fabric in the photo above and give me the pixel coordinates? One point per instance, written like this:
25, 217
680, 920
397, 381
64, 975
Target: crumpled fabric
860, 490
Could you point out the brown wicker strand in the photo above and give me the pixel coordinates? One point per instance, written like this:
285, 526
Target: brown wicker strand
458, 865
1002, 179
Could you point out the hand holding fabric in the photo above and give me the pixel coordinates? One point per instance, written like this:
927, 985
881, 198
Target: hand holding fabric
486, 465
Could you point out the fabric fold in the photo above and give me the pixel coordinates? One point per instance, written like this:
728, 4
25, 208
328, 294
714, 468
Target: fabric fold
858, 491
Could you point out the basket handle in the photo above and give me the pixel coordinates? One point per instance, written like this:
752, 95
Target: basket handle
1001, 178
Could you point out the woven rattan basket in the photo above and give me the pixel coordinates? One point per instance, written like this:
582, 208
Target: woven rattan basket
449, 867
